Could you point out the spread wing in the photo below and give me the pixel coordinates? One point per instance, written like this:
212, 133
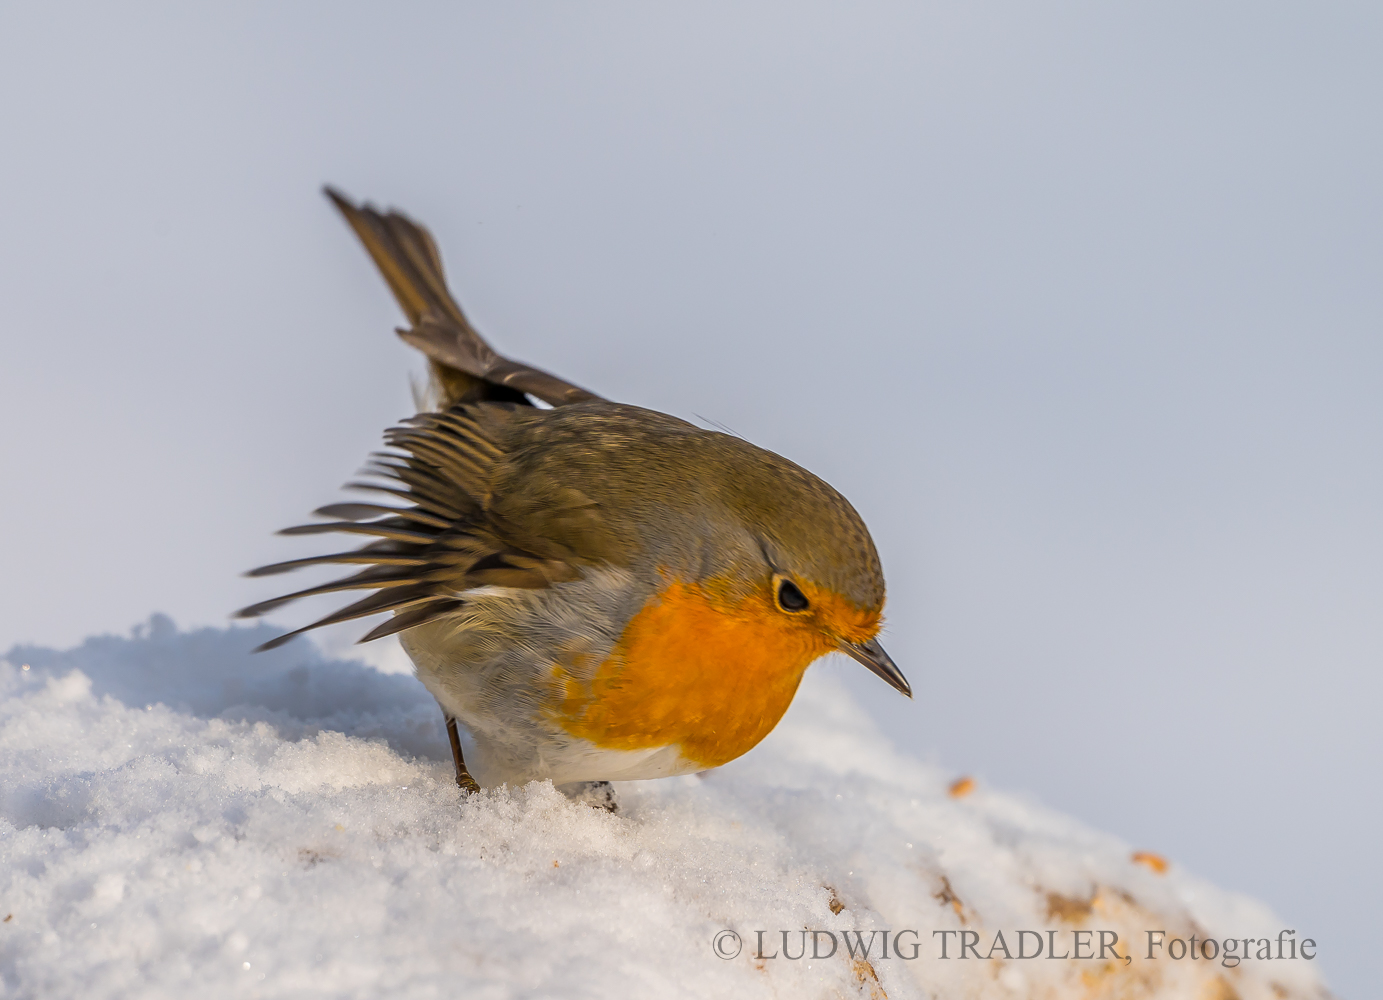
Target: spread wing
448, 539
464, 367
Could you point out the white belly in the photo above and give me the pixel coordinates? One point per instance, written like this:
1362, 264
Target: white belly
491, 667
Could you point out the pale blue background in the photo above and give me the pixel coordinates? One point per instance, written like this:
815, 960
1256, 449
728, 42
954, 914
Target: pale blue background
1081, 304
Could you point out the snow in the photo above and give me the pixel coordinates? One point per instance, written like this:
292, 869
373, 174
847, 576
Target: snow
178, 818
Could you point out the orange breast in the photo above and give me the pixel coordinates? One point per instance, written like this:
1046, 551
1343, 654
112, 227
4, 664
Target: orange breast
698, 669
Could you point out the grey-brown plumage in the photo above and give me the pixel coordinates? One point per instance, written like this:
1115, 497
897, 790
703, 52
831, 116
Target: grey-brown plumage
506, 494
496, 502
519, 546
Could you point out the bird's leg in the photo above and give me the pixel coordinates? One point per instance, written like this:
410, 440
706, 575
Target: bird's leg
463, 777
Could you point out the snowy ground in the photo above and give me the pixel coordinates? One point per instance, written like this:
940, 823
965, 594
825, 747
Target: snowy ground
178, 819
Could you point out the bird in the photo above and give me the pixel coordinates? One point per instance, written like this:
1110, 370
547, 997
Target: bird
592, 591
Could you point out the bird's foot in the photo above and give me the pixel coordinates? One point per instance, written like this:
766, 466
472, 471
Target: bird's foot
465, 782
597, 794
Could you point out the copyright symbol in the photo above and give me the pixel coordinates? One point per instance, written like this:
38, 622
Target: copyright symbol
727, 944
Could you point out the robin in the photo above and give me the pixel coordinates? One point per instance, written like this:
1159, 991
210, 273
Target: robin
592, 591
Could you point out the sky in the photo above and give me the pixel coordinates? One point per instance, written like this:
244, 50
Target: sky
1079, 304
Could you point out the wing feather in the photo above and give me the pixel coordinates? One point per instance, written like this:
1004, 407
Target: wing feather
426, 556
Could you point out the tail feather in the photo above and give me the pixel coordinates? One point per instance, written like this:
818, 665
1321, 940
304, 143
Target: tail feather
465, 368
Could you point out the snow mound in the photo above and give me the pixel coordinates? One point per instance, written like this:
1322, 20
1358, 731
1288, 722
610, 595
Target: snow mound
178, 818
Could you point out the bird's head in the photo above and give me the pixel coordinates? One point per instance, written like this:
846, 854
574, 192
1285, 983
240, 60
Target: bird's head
816, 573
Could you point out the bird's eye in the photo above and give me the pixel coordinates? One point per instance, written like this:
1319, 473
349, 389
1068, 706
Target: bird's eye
790, 597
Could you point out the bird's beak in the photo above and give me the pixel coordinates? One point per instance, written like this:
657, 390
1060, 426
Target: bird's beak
872, 655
